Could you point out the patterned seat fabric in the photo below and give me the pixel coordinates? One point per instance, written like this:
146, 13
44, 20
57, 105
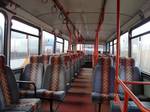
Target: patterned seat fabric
103, 81
32, 72
113, 60
122, 71
129, 72
65, 63
45, 60
71, 65
9, 93
132, 107
55, 80
78, 62
35, 72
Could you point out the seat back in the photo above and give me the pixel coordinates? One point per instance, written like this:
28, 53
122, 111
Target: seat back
104, 75
131, 73
33, 72
45, 59
55, 80
9, 93
65, 63
71, 65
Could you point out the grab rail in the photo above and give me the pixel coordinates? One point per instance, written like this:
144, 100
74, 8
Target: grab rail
128, 93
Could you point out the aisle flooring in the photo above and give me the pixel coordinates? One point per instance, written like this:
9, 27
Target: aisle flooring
78, 98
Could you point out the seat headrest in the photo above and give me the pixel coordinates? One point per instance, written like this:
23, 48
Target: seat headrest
34, 59
45, 58
130, 62
122, 60
2, 61
105, 60
55, 60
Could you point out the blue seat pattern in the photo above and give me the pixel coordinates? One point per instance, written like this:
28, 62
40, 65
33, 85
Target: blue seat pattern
9, 93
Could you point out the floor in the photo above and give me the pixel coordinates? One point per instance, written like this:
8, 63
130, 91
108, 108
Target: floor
78, 98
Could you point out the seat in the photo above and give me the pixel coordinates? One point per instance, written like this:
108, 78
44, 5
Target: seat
132, 107
71, 65
55, 79
66, 63
34, 72
103, 81
45, 60
129, 72
113, 60
10, 100
74, 64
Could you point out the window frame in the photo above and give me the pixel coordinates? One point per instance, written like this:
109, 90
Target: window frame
138, 36
59, 42
129, 32
5, 38
64, 45
25, 33
53, 42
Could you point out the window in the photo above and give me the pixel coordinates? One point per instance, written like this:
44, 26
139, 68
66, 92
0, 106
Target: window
59, 45
89, 49
136, 50
24, 43
100, 48
111, 48
17, 25
124, 45
107, 46
66, 45
2, 25
115, 51
142, 29
140, 52
48, 42
79, 47
115, 42
141, 48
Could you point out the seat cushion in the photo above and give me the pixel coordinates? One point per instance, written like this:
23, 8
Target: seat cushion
25, 105
40, 93
131, 106
97, 97
140, 97
43, 93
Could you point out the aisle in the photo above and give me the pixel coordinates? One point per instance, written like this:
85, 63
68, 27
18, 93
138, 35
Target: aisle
78, 98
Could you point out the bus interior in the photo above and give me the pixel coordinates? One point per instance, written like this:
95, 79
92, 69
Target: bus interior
74, 55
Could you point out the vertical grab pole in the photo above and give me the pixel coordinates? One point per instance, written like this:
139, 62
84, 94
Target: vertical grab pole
96, 48
125, 106
70, 36
118, 48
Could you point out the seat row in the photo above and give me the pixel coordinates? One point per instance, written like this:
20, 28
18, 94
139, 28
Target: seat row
45, 77
104, 77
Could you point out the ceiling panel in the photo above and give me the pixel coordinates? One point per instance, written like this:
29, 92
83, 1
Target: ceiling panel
84, 14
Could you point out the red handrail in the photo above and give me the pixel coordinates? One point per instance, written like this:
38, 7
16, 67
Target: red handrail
136, 82
127, 91
132, 96
117, 46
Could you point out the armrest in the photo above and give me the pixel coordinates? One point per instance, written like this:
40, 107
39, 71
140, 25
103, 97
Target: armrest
28, 82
